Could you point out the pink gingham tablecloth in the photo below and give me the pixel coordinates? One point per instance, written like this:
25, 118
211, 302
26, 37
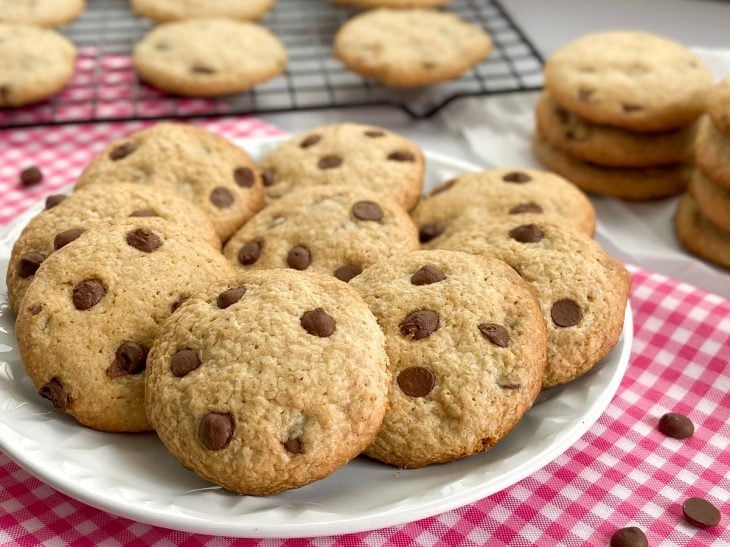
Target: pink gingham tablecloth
623, 472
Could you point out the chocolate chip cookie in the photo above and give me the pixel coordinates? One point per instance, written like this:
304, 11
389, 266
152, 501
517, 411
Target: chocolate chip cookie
718, 105
268, 381
712, 152
95, 306
43, 13
712, 200
174, 10
466, 343
700, 236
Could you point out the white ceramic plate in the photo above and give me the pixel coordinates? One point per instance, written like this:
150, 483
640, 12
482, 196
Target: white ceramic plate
133, 475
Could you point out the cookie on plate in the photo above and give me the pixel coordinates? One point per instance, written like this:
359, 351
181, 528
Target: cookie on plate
620, 78
94, 308
336, 230
268, 381
35, 64
712, 152
611, 146
718, 105
395, 4
629, 183
351, 154
582, 290
44, 13
208, 57
214, 174
466, 343
712, 200
700, 236
410, 48
174, 10
501, 193
58, 226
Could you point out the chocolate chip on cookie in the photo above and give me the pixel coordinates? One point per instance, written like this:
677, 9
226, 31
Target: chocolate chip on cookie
64, 238
222, 197
496, 334
143, 213
346, 272
131, 358
428, 275
329, 162
430, 231
29, 263
53, 391
310, 140
420, 324
317, 323
122, 151
229, 297
367, 210
184, 361
88, 293
293, 445
52, 201
402, 155
416, 381
516, 176
244, 177
566, 313
216, 430
530, 207
299, 257
527, 233
250, 252
144, 240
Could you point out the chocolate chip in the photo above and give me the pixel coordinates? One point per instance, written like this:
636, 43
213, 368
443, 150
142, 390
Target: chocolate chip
184, 362
427, 275
676, 426
367, 210
496, 334
584, 94
506, 384
629, 537
29, 263
430, 231
87, 294
244, 177
566, 313
64, 238
144, 240
527, 233
529, 207
416, 381
443, 187
299, 257
199, 68
374, 134
52, 201
329, 162
30, 176
630, 107
179, 302
700, 513
143, 213
311, 140
131, 358
216, 430
122, 151
35, 309
346, 272
268, 178
402, 155
249, 253
221, 197
293, 445
230, 297
517, 176
420, 324
5, 94
317, 323
53, 391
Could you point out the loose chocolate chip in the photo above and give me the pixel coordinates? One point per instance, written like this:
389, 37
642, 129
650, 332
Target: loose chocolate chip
496, 334
367, 210
566, 313
443, 187
402, 155
517, 176
317, 323
179, 302
329, 162
629, 108
64, 238
293, 445
700, 513
299, 257
629, 537
53, 391
529, 207
420, 324
143, 213
346, 272
199, 68
230, 297
216, 430
131, 358
35, 309
427, 275
430, 231
52, 201
527, 233
416, 381
122, 151
249, 253
268, 178
221, 197
584, 94
244, 177
144, 240
87, 294
311, 140
374, 134
184, 362
676, 426
30, 176
29, 263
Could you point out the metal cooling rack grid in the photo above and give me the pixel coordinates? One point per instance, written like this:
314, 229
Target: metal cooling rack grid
105, 87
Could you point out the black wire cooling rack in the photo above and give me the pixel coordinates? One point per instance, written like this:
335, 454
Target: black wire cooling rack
105, 87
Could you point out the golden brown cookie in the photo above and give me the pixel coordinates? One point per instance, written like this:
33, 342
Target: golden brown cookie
174, 10
699, 236
712, 200
712, 152
43, 13
718, 105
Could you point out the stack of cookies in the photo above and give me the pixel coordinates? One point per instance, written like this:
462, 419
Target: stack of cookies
702, 221
609, 122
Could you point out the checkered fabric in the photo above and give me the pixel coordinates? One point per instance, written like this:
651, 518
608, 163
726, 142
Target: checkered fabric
623, 472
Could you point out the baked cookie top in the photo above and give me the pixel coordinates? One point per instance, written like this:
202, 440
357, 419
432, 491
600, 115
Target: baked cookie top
205, 168
58, 226
94, 308
336, 230
351, 154
409, 48
466, 343
718, 105
208, 57
173, 10
44, 13
620, 78
268, 381
497, 193
35, 63
582, 290
712, 152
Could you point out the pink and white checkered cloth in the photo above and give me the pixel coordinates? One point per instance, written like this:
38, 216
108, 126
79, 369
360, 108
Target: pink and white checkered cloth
623, 472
